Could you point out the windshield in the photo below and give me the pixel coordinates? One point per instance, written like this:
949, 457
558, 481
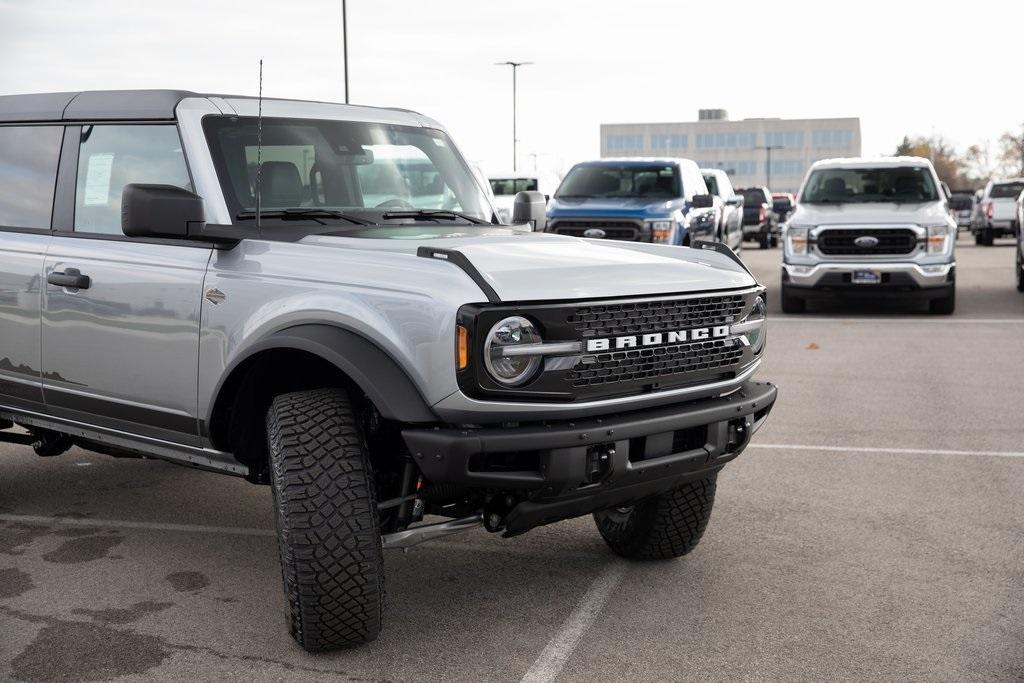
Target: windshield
360, 169
961, 202
510, 186
712, 182
851, 185
753, 197
653, 182
1006, 190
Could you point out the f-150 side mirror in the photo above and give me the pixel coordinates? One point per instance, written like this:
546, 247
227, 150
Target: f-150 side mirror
702, 201
530, 207
169, 212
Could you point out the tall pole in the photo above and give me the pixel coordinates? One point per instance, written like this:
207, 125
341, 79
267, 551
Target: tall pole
344, 42
768, 162
515, 138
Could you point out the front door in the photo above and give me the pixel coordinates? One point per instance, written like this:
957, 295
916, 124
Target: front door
120, 320
28, 173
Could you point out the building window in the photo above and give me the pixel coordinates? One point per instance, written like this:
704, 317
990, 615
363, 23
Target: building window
832, 138
786, 167
788, 138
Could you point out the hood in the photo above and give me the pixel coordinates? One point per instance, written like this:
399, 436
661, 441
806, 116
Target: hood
928, 213
626, 207
525, 266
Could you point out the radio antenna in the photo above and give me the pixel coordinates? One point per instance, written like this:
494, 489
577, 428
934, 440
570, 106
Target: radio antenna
259, 149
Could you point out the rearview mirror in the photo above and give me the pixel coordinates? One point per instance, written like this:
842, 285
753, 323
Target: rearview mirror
702, 201
530, 207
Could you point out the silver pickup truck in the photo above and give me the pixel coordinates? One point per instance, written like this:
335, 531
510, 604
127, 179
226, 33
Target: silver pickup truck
318, 297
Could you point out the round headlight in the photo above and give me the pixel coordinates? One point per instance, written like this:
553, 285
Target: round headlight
757, 335
504, 364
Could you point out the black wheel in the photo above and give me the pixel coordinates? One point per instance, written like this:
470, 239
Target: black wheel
1020, 269
988, 238
325, 511
790, 303
977, 239
661, 527
763, 240
775, 241
944, 306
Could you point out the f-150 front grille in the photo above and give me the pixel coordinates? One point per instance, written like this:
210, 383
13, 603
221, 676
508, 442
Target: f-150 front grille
843, 241
628, 231
649, 316
655, 364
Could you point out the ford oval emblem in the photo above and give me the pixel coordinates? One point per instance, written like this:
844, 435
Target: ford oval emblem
866, 241
594, 233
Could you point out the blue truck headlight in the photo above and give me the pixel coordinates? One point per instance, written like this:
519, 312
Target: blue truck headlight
661, 231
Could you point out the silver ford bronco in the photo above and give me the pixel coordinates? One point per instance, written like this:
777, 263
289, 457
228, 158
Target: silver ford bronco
318, 297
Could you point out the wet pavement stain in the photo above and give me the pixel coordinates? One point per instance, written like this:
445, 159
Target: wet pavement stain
14, 582
76, 533
15, 535
184, 582
124, 615
98, 653
85, 549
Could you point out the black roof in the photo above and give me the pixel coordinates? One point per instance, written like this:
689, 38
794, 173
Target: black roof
101, 105
107, 105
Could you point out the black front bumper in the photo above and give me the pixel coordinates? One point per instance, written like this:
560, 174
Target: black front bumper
570, 468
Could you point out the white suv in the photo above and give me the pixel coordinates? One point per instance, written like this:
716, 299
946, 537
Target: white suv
870, 228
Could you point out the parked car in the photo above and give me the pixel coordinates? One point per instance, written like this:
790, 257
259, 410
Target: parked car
870, 228
783, 204
373, 362
760, 224
961, 207
1020, 244
663, 201
506, 186
997, 211
728, 206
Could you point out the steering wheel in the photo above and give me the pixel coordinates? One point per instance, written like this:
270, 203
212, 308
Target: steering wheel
395, 204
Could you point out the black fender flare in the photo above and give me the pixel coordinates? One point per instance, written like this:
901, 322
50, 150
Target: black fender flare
375, 372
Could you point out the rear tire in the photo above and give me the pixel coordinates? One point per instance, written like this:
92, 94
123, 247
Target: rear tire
661, 527
988, 238
944, 306
763, 240
325, 512
1020, 268
978, 239
790, 303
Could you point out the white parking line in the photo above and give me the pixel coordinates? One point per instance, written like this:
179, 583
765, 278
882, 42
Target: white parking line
875, 321
558, 650
894, 451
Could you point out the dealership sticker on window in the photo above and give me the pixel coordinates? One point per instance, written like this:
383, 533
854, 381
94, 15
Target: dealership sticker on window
97, 179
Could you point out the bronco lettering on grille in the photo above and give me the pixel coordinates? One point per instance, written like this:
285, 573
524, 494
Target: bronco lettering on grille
658, 338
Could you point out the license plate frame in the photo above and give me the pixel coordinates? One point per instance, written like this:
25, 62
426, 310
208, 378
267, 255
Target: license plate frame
866, 277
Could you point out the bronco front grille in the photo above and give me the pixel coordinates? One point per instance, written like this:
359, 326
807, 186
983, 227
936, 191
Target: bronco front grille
656, 363
648, 316
841, 241
629, 231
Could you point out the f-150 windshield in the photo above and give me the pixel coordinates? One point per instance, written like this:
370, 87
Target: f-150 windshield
371, 171
659, 181
883, 184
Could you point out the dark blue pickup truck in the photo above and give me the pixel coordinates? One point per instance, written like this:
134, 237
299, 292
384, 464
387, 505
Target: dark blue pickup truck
638, 200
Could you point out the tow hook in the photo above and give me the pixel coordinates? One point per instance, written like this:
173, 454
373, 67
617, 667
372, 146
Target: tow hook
496, 510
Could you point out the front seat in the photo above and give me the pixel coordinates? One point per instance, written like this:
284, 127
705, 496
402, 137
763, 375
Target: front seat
835, 188
282, 185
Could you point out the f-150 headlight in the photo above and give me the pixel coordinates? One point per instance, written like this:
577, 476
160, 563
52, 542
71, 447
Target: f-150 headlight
508, 355
796, 240
661, 231
938, 238
754, 328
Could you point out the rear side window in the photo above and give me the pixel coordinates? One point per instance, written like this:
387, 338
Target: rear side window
1006, 190
28, 169
111, 157
510, 186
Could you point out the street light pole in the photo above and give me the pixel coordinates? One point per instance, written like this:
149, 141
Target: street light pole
344, 42
515, 139
768, 167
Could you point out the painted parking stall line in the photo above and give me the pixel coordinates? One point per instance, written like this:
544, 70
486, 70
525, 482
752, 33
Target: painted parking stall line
892, 451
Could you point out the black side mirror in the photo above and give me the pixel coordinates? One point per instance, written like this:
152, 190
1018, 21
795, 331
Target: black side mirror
702, 201
530, 207
162, 211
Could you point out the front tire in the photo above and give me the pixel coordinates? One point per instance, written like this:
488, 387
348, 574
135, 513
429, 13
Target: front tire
944, 306
661, 527
790, 303
1020, 269
325, 512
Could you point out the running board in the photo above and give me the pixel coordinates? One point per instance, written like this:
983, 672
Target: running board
428, 532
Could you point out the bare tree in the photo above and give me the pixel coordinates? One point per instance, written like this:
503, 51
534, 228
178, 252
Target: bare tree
1012, 150
948, 164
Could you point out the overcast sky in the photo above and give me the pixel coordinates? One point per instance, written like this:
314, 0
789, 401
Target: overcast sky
903, 67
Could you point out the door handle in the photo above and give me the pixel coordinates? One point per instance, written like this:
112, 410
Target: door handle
71, 278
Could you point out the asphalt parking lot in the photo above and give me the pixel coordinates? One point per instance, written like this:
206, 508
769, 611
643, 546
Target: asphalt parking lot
874, 530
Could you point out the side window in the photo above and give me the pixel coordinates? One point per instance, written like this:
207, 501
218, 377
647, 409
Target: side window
28, 169
111, 157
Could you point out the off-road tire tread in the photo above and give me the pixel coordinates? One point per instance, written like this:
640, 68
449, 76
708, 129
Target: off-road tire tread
325, 513
664, 526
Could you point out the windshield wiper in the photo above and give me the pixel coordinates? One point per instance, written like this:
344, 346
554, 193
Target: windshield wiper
575, 196
427, 214
299, 213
